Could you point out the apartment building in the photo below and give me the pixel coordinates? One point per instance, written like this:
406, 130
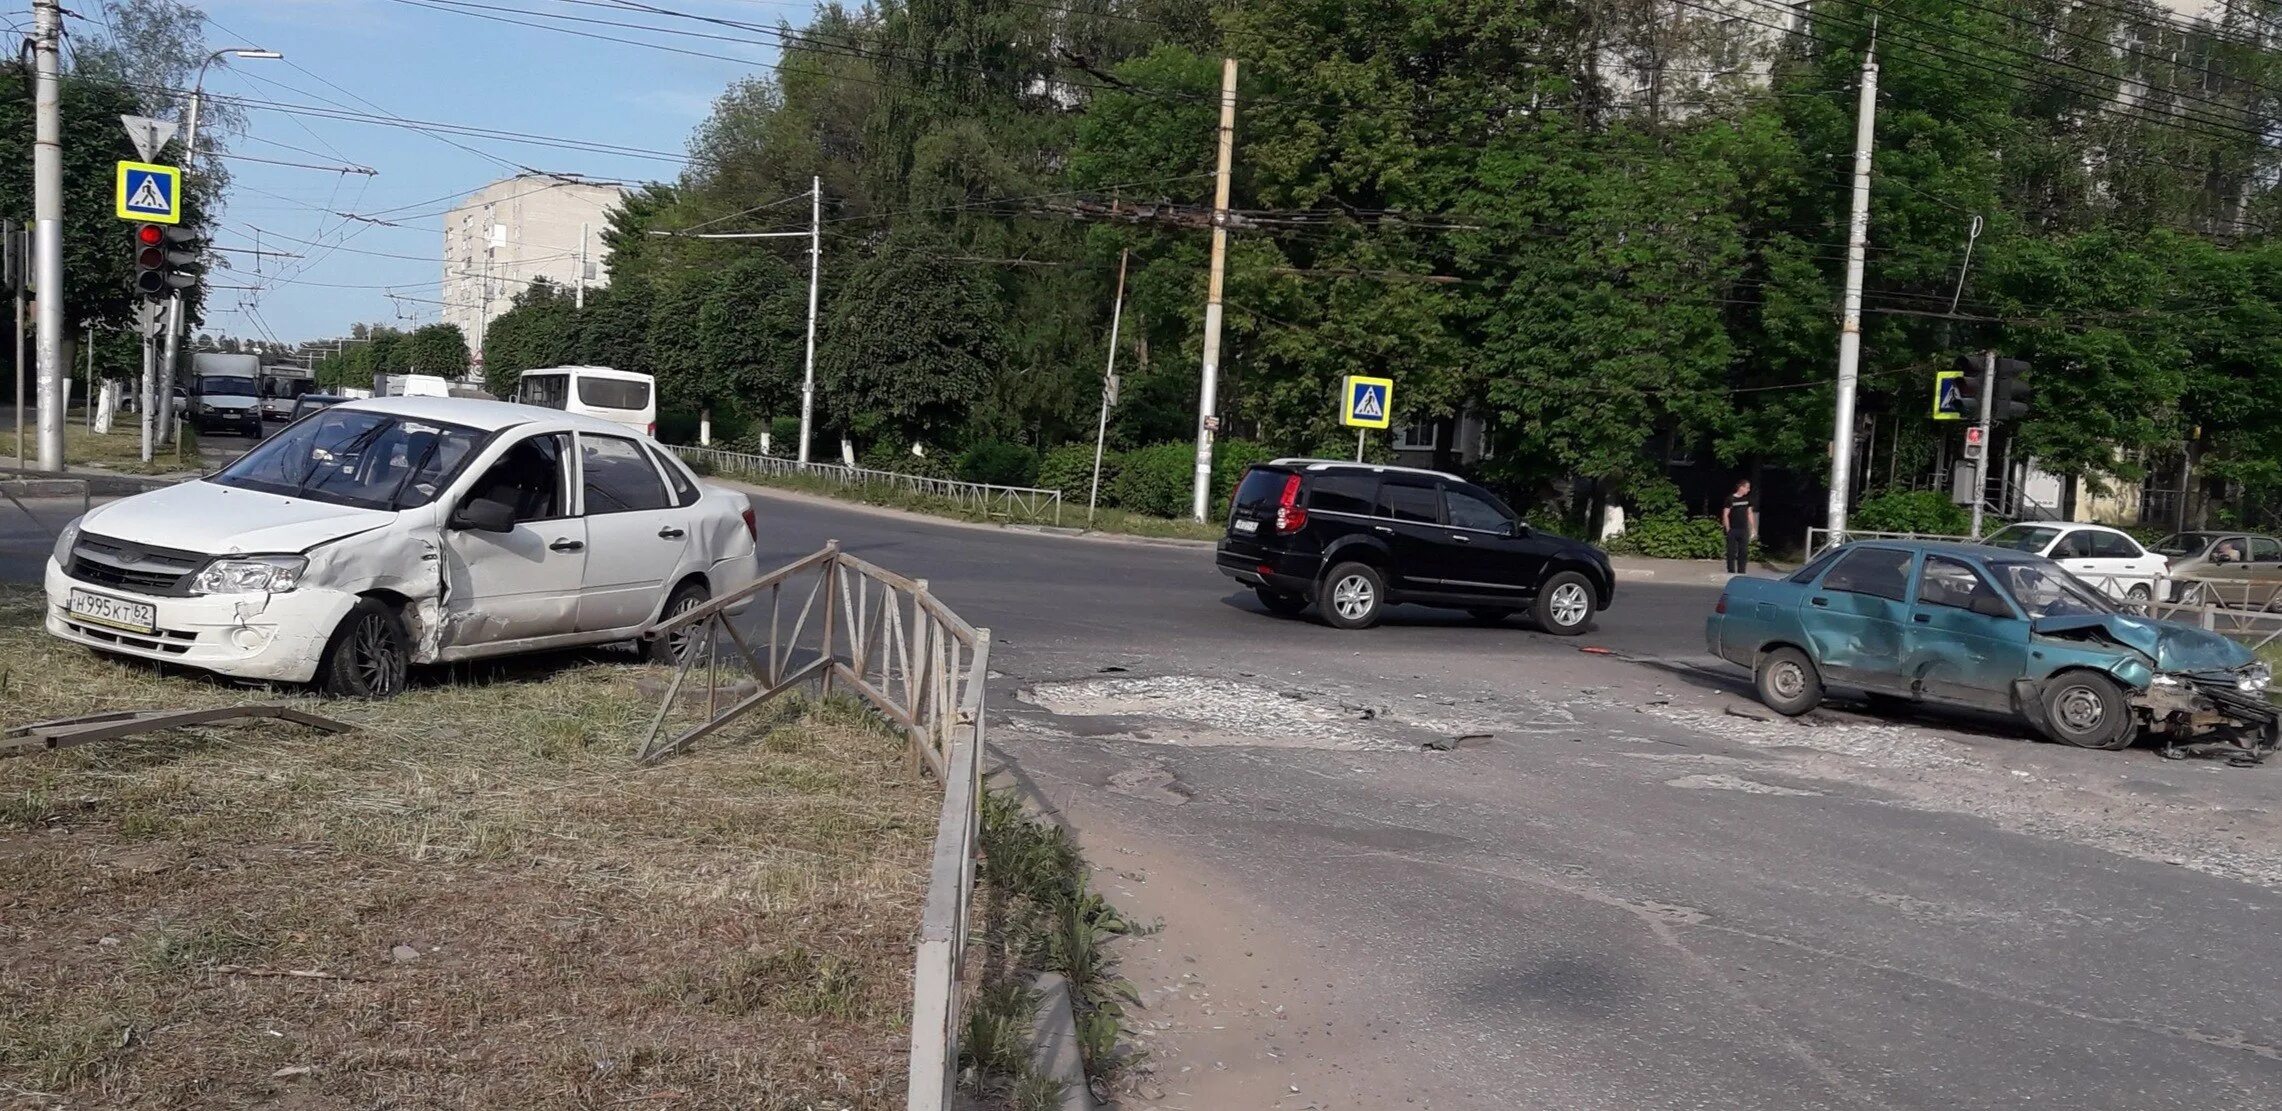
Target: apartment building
512, 232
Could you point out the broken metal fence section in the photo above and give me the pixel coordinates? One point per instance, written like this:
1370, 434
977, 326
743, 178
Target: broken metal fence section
1026, 503
836, 622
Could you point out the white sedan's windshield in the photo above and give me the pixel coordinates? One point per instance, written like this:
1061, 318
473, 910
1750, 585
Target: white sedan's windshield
2023, 538
2044, 590
354, 457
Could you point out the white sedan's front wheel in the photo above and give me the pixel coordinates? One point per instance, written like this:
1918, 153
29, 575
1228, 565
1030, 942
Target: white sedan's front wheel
368, 656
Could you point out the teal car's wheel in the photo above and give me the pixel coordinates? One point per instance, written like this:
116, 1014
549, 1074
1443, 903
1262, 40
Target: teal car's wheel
1788, 683
2087, 709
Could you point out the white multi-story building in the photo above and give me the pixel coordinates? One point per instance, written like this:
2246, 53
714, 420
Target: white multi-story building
512, 232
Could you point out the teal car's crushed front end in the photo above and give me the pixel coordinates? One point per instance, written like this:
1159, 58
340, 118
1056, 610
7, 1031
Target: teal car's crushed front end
2189, 684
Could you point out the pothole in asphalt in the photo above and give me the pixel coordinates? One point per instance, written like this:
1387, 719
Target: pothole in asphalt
1194, 711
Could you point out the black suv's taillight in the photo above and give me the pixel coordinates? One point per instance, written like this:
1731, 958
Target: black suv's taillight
1289, 516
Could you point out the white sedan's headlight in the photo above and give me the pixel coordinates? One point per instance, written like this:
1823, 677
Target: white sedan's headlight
250, 575
65, 541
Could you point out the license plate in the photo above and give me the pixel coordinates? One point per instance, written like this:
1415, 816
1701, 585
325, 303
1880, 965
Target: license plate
1247, 527
118, 613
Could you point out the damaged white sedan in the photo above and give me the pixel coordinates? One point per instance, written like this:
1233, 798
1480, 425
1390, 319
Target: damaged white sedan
378, 534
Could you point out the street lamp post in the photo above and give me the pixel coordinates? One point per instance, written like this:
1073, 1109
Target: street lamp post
174, 313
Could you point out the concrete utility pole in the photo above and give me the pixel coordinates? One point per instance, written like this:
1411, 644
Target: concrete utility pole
815, 269
1981, 461
1108, 386
19, 257
1209, 397
170, 357
47, 232
578, 300
1850, 328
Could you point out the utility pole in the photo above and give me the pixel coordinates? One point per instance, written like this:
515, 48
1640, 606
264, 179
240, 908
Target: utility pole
578, 300
19, 257
1981, 460
146, 319
1209, 396
1850, 328
815, 268
1108, 386
169, 357
47, 232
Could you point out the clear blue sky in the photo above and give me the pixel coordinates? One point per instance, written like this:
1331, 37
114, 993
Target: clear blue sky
421, 63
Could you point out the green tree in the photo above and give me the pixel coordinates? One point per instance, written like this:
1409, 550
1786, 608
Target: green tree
438, 349
912, 343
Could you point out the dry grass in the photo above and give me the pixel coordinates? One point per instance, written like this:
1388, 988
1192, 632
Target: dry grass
121, 450
730, 929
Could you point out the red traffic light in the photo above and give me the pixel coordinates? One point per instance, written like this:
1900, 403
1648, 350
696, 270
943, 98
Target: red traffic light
150, 235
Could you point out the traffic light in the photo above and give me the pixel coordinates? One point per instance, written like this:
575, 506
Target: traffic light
166, 259
2009, 401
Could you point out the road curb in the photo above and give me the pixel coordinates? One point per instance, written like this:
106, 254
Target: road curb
1054, 1041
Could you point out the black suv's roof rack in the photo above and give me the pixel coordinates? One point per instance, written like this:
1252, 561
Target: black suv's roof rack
1351, 465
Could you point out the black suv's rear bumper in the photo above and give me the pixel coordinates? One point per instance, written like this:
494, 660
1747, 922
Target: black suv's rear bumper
1289, 572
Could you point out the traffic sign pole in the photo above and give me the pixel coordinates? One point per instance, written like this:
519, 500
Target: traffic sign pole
1981, 461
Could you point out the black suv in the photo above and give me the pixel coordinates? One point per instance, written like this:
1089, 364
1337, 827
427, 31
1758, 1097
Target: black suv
1358, 538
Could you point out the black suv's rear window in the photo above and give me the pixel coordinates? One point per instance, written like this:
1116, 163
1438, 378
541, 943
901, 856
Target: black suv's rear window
1261, 486
1343, 493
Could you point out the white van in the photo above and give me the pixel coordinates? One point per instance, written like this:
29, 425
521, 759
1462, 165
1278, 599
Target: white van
622, 396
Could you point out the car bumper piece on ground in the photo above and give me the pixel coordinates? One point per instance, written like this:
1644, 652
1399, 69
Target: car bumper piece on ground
263, 637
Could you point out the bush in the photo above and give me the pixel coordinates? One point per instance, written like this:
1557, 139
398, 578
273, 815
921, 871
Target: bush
1069, 468
999, 463
1156, 480
1671, 536
886, 455
1923, 511
1229, 458
784, 436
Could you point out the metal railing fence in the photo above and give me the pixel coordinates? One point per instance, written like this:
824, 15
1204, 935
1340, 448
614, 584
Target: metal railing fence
1028, 503
866, 630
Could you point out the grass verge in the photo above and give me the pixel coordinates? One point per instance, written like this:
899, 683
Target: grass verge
472, 901
1116, 521
121, 450
1039, 914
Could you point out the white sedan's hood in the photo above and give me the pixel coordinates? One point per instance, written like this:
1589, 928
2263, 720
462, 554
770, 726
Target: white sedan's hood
222, 520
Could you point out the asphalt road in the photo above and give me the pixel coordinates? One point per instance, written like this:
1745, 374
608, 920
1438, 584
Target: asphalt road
1054, 597
1623, 898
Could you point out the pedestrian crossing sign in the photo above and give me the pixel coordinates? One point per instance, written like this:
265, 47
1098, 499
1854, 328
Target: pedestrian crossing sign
1948, 395
1367, 402
149, 194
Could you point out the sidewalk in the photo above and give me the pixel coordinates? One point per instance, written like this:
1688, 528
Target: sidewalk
1687, 572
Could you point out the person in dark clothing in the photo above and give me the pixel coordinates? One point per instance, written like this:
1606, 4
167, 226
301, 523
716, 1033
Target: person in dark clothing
1740, 519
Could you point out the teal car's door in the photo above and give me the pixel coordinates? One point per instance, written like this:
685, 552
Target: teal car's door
1854, 617
1951, 653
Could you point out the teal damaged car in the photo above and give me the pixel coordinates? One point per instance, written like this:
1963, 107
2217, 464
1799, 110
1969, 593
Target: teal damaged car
1991, 629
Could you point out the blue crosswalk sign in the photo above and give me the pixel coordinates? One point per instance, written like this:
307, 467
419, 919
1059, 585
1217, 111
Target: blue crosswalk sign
1367, 402
149, 194
1948, 395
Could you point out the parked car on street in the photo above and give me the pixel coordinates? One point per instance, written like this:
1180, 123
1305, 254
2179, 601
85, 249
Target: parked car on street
2227, 568
2107, 558
379, 534
1354, 539
1989, 628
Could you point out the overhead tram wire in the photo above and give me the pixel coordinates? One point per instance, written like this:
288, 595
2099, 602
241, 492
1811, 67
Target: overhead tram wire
2112, 97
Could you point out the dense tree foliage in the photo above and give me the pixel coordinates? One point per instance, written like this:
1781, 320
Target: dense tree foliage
1612, 231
